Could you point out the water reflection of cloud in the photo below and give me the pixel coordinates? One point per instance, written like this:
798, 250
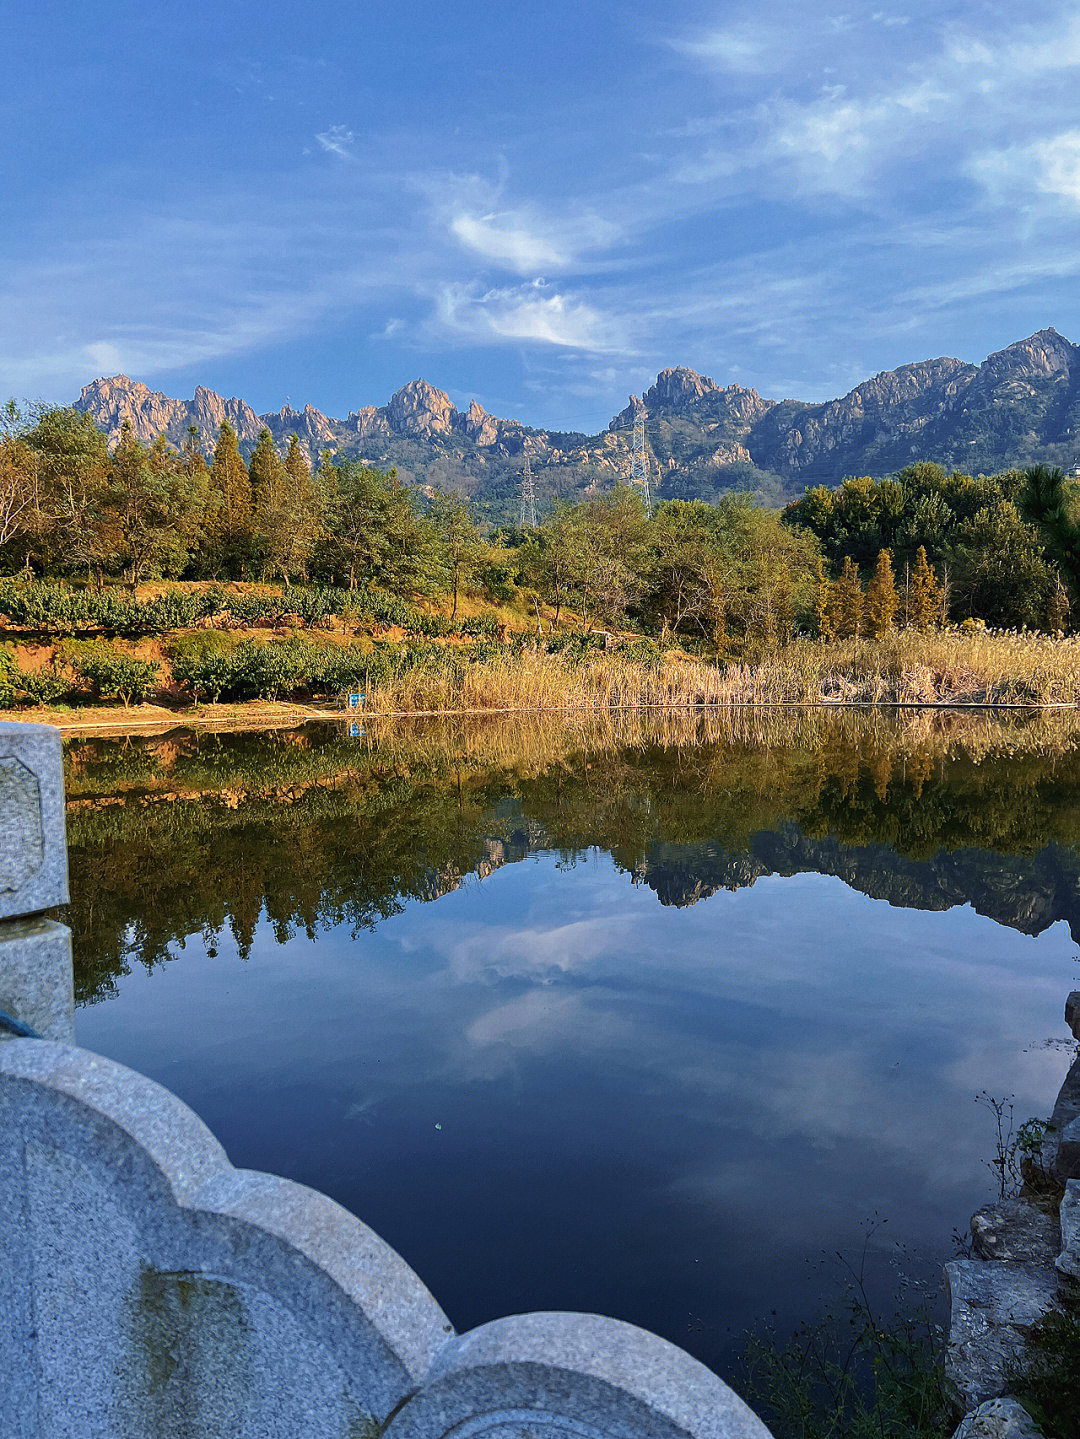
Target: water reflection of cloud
832, 1020
753, 1076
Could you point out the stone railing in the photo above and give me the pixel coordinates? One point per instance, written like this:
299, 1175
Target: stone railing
149, 1290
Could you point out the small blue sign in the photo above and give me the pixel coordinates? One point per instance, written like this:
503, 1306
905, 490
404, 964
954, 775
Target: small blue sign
354, 730
354, 701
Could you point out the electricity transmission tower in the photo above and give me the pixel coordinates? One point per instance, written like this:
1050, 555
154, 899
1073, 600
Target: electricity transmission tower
527, 519
639, 464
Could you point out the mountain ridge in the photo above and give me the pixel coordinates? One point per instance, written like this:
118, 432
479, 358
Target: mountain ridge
1020, 404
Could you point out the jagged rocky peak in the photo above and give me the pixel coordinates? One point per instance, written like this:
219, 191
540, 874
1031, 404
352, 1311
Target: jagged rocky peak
368, 420
116, 398
420, 409
682, 392
1043, 354
308, 424
677, 387
111, 388
481, 428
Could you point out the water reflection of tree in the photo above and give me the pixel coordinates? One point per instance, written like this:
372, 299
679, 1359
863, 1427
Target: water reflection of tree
201, 834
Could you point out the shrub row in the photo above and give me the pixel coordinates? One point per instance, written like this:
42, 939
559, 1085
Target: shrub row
96, 668
211, 665
55, 609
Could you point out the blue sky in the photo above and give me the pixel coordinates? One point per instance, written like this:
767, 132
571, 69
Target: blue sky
536, 205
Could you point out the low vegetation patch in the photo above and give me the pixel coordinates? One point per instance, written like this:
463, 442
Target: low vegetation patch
1047, 1381
567, 672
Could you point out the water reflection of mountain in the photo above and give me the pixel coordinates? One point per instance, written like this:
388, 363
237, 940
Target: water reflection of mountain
1026, 892
203, 835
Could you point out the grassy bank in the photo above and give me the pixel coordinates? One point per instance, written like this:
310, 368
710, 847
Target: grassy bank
948, 668
296, 675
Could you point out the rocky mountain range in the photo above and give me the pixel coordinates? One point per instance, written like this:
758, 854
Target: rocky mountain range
1021, 404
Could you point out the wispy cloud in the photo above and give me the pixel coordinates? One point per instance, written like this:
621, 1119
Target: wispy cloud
498, 238
338, 140
747, 48
528, 313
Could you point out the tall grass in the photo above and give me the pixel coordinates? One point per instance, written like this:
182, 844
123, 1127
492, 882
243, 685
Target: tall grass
907, 667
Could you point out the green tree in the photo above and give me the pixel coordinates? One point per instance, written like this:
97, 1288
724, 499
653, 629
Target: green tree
300, 526
230, 524
1051, 502
73, 478
823, 618
373, 531
274, 514
150, 508
462, 547
550, 559
20, 501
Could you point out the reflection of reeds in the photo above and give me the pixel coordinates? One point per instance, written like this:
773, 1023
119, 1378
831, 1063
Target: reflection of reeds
839, 741
540, 739
906, 667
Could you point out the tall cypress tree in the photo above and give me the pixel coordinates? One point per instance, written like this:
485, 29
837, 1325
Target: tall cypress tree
925, 601
230, 482
822, 608
882, 601
846, 600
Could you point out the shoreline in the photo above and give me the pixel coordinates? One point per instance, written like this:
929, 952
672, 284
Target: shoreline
263, 714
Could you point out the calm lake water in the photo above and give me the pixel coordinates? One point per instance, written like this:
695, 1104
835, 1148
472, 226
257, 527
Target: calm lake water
647, 1023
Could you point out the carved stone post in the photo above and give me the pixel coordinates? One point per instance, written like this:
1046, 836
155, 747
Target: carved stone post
35, 951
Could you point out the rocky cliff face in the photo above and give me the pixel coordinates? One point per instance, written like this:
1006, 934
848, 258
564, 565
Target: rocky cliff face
150, 413
1019, 405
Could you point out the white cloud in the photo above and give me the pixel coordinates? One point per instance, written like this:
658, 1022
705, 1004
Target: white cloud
1016, 175
338, 140
496, 238
743, 48
527, 313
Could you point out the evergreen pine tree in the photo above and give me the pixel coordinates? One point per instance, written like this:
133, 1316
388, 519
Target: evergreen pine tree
882, 601
846, 600
822, 610
305, 509
925, 602
230, 482
1057, 610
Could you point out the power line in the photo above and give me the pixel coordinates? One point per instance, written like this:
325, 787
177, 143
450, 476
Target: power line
527, 518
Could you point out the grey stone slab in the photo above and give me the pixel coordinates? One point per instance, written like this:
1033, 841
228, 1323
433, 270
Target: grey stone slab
993, 1306
1015, 1232
33, 846
571, 1376
1072, 1012
998, 1419
150, 1289
36, 981
1052, 1163
1067, 1152
1068, 1261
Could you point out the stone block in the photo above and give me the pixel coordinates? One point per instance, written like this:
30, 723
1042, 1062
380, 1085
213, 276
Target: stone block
1015, 1232
36, 984
1067, 1152
1072, 1012
570, 1376
150, 1289
33, 845
1065, 1112
998, 1419
992, 1308
1068, 1261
